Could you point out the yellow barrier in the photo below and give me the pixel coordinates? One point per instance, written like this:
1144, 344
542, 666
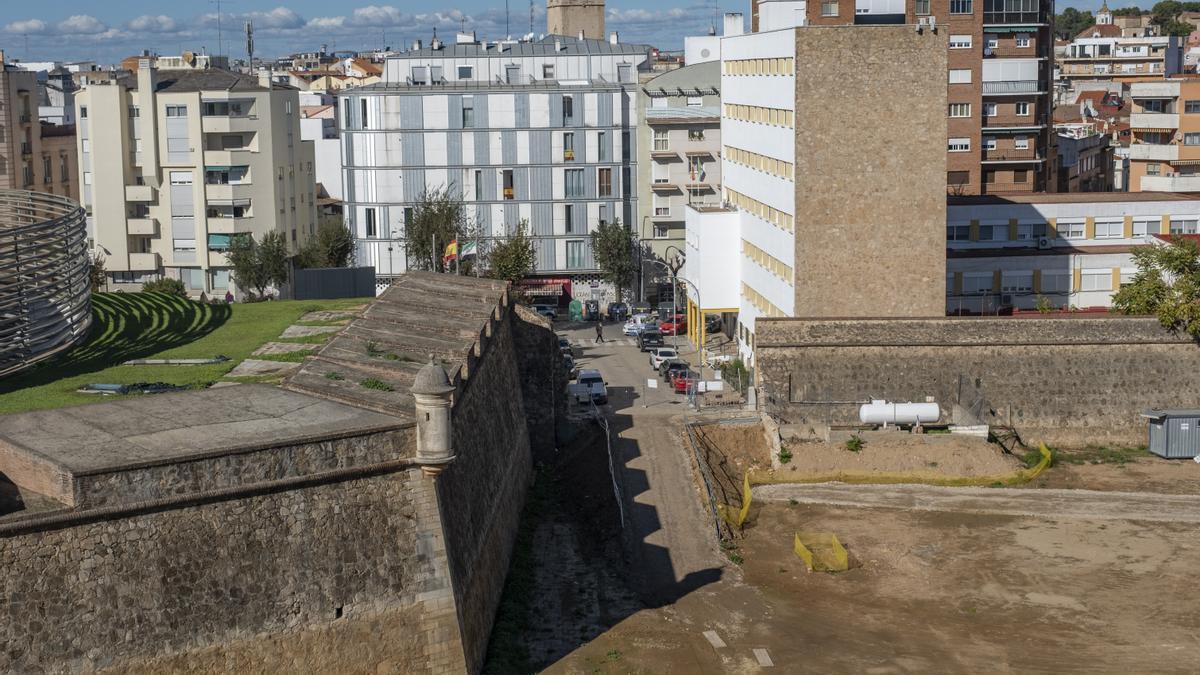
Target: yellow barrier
821, 552
738, 518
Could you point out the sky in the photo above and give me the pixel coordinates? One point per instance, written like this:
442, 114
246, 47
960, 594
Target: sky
106, 32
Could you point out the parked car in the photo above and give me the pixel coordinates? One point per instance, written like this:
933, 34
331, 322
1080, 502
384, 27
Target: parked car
677, 325
548, 311
713, 324
640, 308
595, 384
569, 364
657, 356
638, 323
649, 339
617, 311
681, 380
564, 346
669, 367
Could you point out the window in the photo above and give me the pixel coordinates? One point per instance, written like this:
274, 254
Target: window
662, 206
1019, 175
662, 141
575, 255
989, 143
1191, 139
64, 169
603, 213
181, 178
1030, 231
991, 42
958, 232
468, 112
960, 145
177, 111
958, 178
568, 109
1016, 282
626, 146
1153, 105
1022, 41
509, 192
960, 42
1152, 169
569, 219
602, 146
695, 101
921, 7
86, 145
420, 75
960, 76
660, 173
1021, 142
961, 7
569, 147
1143, 227
1191, 107
573, 182
993, 231
1185, 225
1056, 282
478, 185
1073, 228
625, 73
1127, 276
1095, 280
977, 283
659, 102
1110, 228
372, 228
548, 71
604, 181
989, 109
960, 109
829, 7
83, 112
1022, 108
466, 72
134, 112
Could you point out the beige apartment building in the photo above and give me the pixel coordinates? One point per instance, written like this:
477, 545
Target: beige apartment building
176, 163
33, 155
1164, 148
999, 75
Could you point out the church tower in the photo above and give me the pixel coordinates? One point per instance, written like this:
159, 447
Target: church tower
1104, 17
572, 17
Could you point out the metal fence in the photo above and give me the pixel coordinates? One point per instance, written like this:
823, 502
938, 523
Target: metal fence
45, 290
331, 283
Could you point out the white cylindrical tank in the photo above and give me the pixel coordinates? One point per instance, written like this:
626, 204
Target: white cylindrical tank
886, 412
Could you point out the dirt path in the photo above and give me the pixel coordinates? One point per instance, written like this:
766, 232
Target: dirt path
1060, 504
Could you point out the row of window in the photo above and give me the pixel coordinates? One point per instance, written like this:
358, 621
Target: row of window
1073, 228
1021, 41
760, 302
773, 66
989, 143
1164, 138
1020, 109
775, 167
1046, 282
759, 115
772, 215
768, 261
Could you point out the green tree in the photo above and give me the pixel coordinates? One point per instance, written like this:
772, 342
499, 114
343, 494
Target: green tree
332, 246
512, 259
258, 265
1167, 285
96, 273
614, 253
437, 219
1129, 11
1072, 21
1165, 15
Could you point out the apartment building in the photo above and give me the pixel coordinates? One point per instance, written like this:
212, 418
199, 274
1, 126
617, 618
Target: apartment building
34, 155
679, 149
540, 131
1164, 148
818, 233
1084, 161
999, 75
1057, 250
1122, 59
176, 163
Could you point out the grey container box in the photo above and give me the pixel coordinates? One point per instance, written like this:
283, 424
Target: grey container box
1174, 434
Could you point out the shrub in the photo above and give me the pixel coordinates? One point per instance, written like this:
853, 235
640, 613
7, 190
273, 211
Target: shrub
378, 385
785, 455
855, 444
165, 285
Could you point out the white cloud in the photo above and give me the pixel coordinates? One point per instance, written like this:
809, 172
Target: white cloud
378, 15
149, 23
280, 17
643, 15
327, 22
81, 24
27, 27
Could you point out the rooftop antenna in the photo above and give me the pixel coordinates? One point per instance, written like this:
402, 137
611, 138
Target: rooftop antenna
220, 46
507, 30
250, 44
531, 17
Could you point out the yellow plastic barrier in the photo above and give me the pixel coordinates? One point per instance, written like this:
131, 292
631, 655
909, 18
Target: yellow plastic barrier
738, 518
821, 552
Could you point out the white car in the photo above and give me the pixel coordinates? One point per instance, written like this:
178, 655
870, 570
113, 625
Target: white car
660, 354
636, 324
594, 383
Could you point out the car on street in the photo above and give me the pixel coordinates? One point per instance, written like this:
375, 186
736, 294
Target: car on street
713, 324
548, 311
649, 339
635, 329
657, 356
676, 325
564, 345
682, 379
640, 308
594, 382
569, 364
617, 311
669, 367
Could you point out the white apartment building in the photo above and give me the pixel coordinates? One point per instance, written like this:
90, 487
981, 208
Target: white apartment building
539, 131
177, 163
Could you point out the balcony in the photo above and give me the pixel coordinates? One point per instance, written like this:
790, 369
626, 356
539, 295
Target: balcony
139, 193
1170, 183
225, 124
1011, 155
147, 227
664, 186
25, 118
218, 259
1008, 188
669, 155
1154, 90
26, 148
1154, 152
232, 157
228, 193
1147, 120
1011, 87
230, 225
1019, 18
143, 262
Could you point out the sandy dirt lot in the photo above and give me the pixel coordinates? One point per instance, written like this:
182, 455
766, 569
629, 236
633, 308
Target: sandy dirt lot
1121, 471
934, 455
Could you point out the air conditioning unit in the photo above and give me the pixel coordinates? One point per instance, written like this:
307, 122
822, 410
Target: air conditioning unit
1044, 243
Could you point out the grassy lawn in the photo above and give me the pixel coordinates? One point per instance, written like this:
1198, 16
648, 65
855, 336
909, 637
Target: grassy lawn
148, 325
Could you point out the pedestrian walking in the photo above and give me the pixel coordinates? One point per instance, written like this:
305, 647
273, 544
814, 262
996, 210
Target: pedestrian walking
599, 332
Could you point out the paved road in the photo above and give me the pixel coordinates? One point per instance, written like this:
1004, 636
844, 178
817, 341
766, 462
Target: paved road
1057, 504
671, 534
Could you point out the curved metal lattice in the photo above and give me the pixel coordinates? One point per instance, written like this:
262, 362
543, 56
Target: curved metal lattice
45, 291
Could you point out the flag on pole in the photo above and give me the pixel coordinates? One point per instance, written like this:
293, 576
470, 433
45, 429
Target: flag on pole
451, 252
469, 249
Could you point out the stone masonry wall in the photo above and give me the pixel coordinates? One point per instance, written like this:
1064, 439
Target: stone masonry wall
483, 491
337, 577
543, 379
1070, 381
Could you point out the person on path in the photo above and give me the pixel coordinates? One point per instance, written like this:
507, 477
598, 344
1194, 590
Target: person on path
599, 332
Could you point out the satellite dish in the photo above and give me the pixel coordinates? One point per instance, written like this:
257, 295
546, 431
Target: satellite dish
189, 58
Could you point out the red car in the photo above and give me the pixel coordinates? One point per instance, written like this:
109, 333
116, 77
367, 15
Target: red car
676, 326
680, 379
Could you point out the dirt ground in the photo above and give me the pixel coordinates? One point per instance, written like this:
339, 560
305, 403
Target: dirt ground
731, 448
1120, 471
901, 452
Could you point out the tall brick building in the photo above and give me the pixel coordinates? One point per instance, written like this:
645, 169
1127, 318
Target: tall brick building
999, 79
